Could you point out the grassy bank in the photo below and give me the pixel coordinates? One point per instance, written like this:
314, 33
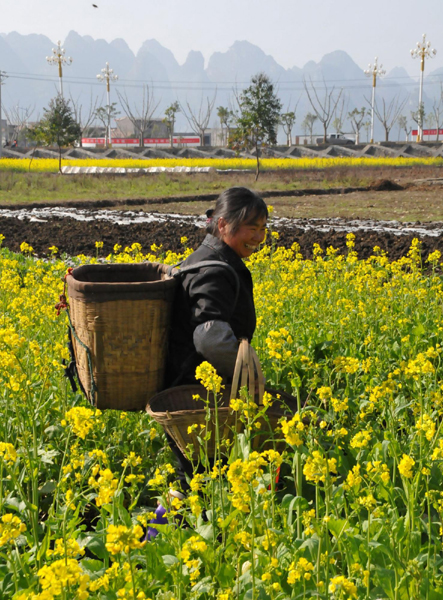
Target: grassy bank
18, 187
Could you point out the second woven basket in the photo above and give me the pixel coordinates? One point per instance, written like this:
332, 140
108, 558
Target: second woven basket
177, 409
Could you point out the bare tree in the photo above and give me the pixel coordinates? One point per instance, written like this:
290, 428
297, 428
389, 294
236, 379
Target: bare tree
287, 121
340, 114
225, 115
140, 119
199, 119
308, 124
323, 107
18, 118
84, 117
430, 123
388, 114
105, 114
367, 128
437, 111
356, 118
418, 116
169, 120
403, 125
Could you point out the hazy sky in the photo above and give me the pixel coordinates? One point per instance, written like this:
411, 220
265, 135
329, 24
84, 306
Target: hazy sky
292, 31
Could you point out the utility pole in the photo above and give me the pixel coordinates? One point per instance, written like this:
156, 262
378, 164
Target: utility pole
374, 70
107, 75
422, 51
3, 76
58, 58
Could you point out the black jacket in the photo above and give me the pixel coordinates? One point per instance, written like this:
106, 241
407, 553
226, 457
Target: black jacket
208, 295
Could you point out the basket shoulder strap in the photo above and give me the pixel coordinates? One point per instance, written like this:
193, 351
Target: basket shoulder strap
210, 263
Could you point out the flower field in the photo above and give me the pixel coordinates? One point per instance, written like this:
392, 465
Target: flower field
346, 502
50, 165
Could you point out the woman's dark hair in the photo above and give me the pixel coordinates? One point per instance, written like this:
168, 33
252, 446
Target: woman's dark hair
236, 205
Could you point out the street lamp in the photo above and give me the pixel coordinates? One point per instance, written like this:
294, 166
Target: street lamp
107, 75
374, 70
422, 51
58, 58
3, 76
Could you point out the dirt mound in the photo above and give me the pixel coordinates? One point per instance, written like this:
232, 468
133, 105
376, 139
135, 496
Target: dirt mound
385, 185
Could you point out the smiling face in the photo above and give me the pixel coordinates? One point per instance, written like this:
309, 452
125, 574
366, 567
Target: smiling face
247, 238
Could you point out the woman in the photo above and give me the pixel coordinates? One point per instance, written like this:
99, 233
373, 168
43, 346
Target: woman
215, 304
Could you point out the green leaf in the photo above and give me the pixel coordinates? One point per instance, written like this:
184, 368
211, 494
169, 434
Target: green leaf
169, 560
312, 545
226, 574
206, 531
337, 526
92, 566
229, 518
48, 487
97, 546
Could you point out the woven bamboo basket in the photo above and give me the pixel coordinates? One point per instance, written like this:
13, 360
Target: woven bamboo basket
120, 315
176, 409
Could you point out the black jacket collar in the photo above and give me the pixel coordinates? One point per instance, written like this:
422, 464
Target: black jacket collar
226, 252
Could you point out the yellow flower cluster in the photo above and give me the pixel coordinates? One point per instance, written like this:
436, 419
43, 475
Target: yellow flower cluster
276, 342
426, 424
318, 468
82, 420
342, 584
207, 375
69, 548
405, 466
292, 429
197, 546
302, 569
161, 476
62, 575
8, 453
124, 539
106, 485
242, 475
10, 528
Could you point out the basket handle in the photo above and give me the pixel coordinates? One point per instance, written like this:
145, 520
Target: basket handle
247, 368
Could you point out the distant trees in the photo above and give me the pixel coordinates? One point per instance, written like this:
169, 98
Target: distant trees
105, 114
258, 116
324, 106
287, 121
18, 118
84, 116
438, 112
340, 114
388, 112
403, 125
308, 125
139, 117
199, 119
225, 115
58, 126
356, 118
169, 120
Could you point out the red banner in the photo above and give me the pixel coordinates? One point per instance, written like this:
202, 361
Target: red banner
150, 141
428, 132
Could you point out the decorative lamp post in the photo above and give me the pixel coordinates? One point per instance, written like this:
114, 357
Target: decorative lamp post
422, 51
3, 76
107, 75
58, 58
374, 70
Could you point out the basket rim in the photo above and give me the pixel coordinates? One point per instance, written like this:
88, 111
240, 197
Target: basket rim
273, 409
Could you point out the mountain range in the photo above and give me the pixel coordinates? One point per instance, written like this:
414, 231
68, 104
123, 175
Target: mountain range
32, 81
